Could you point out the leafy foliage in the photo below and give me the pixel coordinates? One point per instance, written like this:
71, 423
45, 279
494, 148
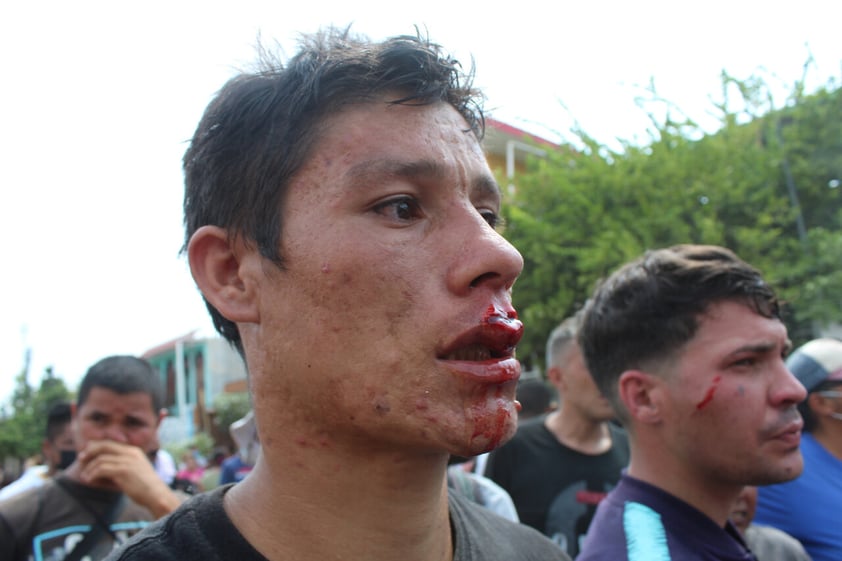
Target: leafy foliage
200, 441
230, 407
22, 428
582, 212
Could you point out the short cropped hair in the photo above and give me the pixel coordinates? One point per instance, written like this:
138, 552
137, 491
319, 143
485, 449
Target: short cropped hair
649, 308
59, 416
261, 127
561, 337
123, 375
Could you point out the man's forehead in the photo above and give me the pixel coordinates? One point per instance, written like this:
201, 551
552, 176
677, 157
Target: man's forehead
100, 398
482, 183
759, 332
362, 125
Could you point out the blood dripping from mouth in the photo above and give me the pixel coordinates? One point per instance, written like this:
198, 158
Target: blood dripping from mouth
502, 321
492, 429
493, 315
709, 395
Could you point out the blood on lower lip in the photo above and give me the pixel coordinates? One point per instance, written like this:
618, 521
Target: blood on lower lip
489, 372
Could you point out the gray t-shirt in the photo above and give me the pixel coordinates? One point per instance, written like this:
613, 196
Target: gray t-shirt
201, 530
770, 544
48, 522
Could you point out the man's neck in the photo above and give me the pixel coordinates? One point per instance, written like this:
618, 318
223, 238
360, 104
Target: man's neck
579, 433
659, 471
371, 508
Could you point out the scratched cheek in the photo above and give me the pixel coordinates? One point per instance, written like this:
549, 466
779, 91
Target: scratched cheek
709, 394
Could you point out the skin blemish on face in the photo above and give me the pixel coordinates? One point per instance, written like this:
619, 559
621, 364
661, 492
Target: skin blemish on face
382, 407
709, 394
326, 268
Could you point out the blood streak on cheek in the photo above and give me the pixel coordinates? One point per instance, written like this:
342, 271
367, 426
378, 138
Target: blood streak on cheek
709, 395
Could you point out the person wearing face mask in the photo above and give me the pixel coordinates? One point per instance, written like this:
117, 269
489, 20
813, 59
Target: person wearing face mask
57, 450
110, 491
800, 507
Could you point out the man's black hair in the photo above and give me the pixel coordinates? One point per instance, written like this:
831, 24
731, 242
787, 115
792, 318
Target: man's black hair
58, 417
123, 375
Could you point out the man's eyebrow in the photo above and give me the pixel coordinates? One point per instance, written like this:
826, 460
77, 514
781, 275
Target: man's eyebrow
485, 185
372, 170
760, 348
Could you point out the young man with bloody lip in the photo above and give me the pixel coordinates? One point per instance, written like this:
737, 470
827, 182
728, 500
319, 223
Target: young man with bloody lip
688, 345
341, 226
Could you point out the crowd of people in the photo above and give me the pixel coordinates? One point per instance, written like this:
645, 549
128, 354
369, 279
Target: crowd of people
343, 197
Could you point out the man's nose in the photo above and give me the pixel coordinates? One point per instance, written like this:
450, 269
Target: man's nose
116, 433
485, 259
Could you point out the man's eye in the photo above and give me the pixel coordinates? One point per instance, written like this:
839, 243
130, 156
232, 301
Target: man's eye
494, 220
403, 209
750, 361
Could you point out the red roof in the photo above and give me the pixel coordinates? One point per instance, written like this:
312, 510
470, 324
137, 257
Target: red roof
510, 130
169, 345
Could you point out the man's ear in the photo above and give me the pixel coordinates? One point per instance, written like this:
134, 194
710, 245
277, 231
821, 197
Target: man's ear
819, 404
222, 269
554, 375
640, 392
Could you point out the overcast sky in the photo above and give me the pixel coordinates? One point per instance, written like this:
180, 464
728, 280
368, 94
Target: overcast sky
98, 99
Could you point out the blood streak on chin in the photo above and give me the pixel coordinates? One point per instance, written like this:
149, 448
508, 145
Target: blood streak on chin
709, 395
491, 427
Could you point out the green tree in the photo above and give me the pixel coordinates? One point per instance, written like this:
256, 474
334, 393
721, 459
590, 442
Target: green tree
583, 211
230, 407
22, 429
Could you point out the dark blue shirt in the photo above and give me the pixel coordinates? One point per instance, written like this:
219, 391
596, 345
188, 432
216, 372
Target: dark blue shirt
640, 522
